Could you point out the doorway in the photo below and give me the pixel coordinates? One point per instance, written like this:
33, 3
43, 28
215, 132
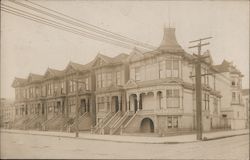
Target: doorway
147, 126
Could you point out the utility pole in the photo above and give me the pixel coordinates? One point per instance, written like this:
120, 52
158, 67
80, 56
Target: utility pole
198, 86
77, 104
77, 109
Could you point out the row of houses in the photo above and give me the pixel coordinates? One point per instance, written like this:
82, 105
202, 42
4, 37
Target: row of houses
151, 91
7, 112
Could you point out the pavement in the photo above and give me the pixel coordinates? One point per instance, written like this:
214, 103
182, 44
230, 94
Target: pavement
136, 139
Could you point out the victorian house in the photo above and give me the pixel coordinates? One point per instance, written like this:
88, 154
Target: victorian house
161, 90
229, 82
111, 76
139, 92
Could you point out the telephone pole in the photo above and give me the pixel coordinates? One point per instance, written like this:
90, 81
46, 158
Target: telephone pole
77, 109
198, 86
77, 80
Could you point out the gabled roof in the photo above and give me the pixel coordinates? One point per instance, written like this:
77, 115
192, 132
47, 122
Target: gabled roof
53, 72
226, 66
34, 77
110, 60
169, 42
223, 67
120, 58
78, 67
18, 82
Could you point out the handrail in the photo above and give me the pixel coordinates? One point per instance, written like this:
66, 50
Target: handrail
83, 115
125, 126
120, 121
53, 118
98, 125
111, 119
31, 120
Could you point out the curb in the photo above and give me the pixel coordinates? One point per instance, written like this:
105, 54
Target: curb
121, 141
84, 138
221, 137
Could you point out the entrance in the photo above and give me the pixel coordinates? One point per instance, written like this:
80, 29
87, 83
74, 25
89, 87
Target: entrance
115, 104
133, 104
83, 106
42, 109
147, 126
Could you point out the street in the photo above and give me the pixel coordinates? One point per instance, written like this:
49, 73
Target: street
36, 146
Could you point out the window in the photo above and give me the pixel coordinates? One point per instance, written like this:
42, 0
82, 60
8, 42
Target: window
175, 72
100, 101
215, 105
172, 68
162, 69
99, 81
173, 122
206, 101
70, 86
173, 98
137, 74
103, 78
50, 108
108, 79
233, 83
63, 87
118, 78
233, 96
87, 83
108, 103
239, 83
132, 73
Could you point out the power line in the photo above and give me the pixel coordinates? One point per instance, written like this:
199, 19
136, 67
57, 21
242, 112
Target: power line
55, 25
96, 27
137, 43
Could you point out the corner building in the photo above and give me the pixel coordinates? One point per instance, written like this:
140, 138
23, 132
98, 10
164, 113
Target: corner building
139, 92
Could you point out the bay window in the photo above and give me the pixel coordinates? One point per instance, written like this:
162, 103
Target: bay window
172, 68
173, 98
162, 69
137, 74
118, 78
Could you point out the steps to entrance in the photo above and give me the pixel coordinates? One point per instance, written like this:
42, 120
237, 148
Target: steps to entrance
56, 123
106, 127
20, 122
84, 123
116, 128
35, 123
98, 128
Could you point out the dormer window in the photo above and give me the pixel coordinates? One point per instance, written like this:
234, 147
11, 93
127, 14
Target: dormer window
233, 83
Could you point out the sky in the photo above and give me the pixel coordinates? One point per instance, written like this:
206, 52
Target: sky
30, 47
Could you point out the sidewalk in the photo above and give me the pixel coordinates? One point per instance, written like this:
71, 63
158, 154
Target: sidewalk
136, 139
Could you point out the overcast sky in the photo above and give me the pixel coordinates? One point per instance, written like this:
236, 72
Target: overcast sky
27, 46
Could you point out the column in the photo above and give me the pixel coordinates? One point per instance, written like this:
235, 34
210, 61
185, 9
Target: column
138, 101
119, 102
128, 102
164, 100
157, 104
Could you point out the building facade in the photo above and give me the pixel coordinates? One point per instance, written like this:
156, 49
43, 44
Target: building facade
7, 113
229, 82
245, 96
151, 91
